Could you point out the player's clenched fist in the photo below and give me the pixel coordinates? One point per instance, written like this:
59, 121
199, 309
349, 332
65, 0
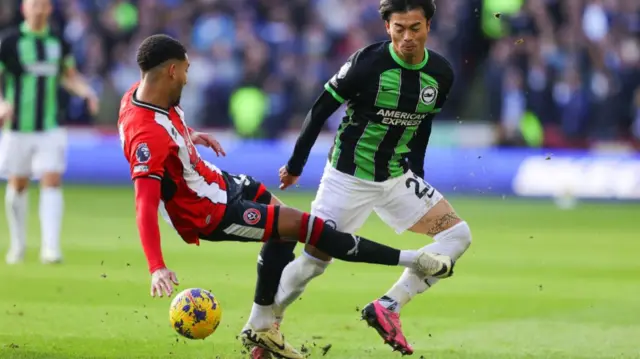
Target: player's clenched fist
287, 179
163, 280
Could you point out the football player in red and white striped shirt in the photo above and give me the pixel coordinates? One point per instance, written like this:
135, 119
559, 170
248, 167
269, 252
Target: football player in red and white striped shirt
203, 202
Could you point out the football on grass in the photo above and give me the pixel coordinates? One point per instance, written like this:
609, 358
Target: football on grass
195, 313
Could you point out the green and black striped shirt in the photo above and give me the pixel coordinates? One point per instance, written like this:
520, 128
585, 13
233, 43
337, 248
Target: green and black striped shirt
32, 64
390, 108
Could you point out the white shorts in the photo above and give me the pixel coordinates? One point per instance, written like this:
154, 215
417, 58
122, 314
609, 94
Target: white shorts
347, 201
33, 154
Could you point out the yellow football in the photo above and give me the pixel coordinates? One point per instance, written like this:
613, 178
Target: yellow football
195, 313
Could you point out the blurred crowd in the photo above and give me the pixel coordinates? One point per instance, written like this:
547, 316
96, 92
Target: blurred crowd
570, 68
562, 72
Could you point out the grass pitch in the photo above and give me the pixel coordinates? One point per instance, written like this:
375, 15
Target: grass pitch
538, 282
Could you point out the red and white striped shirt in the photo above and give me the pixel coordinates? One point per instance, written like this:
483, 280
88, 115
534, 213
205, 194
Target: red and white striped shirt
157, 144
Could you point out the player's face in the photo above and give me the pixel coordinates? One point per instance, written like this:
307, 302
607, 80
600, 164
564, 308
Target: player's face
409, 31
178, 73
36, 12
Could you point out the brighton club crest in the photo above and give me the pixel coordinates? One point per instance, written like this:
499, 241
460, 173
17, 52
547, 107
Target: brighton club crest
428, 95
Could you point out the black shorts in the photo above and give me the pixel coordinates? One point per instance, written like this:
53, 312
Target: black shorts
248, 217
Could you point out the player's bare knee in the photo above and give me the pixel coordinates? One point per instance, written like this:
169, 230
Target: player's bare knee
19, 184
442, 223
446, 227
289, 222
51, 180
439, 218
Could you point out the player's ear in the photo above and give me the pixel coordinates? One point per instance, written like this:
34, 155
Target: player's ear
428, 25
387, 26
172, 70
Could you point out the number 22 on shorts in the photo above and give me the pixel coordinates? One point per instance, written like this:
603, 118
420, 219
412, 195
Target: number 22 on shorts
416, 182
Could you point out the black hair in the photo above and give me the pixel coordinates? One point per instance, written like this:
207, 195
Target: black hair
388, 7
157, 49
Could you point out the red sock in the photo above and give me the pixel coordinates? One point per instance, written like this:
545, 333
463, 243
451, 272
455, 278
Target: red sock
344, 246
310, 229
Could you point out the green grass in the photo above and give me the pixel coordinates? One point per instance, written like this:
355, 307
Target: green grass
538, 282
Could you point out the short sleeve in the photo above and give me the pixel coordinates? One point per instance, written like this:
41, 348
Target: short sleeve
344, 84
68, 60
146, 150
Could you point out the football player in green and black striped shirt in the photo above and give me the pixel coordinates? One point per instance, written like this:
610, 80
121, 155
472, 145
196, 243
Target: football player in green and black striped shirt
392, 91
34, 61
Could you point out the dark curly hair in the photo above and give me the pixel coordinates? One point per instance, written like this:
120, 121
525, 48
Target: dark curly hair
157, 49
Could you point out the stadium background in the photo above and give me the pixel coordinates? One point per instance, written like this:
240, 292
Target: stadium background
546, 104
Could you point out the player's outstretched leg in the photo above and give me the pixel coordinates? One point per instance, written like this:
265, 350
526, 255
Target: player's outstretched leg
16, 203
312, 230
452, 238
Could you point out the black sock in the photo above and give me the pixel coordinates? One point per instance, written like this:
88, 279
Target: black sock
274, 256
345, 246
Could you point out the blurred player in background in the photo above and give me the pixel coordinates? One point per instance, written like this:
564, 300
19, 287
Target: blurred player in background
34, 62
202, 202
392, 90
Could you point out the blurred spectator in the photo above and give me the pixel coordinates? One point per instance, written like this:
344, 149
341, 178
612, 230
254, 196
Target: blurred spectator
572, 65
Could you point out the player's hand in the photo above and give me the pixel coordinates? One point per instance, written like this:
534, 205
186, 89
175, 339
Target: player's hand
6, 111
93, 103
205, 139
162, 281
286, 180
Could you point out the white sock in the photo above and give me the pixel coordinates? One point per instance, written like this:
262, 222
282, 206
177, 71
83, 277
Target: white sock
294, 280
453, 242
51, 207
16, 205
407, 257
261, 317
